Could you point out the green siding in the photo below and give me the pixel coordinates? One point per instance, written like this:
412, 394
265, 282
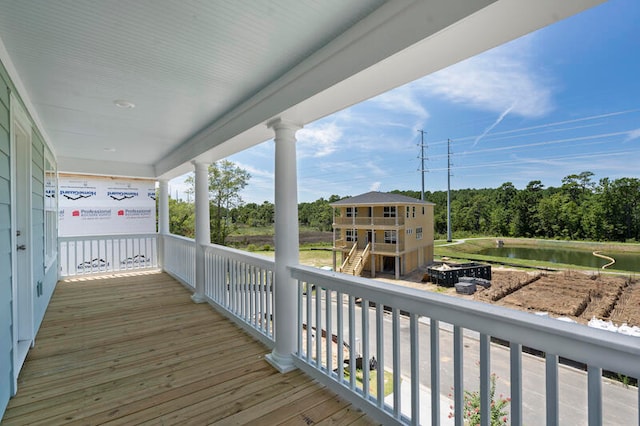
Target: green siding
49, 279
5, 220
6, 339
4, 86
4, 120
4, 141
37, 159
5, 168
5, 193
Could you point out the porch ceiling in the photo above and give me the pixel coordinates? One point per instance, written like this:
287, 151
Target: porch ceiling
205, 77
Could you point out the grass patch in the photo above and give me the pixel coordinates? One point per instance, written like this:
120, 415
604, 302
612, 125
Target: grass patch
244, 230
315, 258
373, 381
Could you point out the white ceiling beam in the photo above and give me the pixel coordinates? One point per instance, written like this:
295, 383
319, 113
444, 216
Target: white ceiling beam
397, 44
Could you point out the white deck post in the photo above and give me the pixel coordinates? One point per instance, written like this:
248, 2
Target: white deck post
163, 218
286, 241
203, 233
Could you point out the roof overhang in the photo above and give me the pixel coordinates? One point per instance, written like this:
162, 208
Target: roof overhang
374, 47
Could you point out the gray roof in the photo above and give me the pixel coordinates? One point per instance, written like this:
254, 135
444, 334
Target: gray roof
376, 198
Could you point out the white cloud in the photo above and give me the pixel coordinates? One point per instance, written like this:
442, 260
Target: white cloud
632, 135
255, 172
497, 80
403, 100
375, 186
318, 140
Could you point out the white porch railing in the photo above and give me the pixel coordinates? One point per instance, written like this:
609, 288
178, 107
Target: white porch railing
180, 258
99, 254
426, 344
330, 304
241, 284
238, 283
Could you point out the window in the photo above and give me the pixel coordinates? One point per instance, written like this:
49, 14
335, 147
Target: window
407, 212
352, 211
409, 231
389, 211
422, 210
390, 237
352, 235
419, 233
50, 209
413, 214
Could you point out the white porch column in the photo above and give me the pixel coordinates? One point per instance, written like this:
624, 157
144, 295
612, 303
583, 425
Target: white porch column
286, 242
163, 219
203, 232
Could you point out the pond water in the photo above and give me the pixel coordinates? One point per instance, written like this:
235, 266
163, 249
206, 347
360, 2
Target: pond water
624, 261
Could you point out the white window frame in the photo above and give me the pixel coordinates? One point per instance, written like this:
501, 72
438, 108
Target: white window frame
390, 237
351, 235
419, 233
50, 210
389, 211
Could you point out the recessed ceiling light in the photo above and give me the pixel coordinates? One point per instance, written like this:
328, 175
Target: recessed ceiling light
122, 103
110, 150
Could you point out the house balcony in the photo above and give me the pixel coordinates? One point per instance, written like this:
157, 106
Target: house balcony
131, 347
376, 248
369, 222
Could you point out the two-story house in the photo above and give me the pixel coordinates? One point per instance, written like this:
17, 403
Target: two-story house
382, 232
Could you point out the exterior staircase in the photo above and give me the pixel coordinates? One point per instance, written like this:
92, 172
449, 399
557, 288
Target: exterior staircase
356, 261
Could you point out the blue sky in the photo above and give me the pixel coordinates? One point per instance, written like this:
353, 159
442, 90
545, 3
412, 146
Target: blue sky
562, 100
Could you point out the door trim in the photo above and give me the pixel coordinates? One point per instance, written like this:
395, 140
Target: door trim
23, 306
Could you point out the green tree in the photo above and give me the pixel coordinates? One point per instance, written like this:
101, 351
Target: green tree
620, 202
181, 218
226, 180
525, 222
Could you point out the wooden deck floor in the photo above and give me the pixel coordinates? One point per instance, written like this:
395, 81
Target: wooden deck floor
135, 350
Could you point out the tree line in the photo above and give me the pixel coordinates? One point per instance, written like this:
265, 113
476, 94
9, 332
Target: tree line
580, 209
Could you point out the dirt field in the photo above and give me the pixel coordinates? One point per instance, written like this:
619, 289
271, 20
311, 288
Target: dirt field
576, 295
563, 294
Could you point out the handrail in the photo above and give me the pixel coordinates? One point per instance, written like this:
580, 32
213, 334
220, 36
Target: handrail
241, 285
336, 298
240, 256
362, 260
577, 342
348, 258
180, 258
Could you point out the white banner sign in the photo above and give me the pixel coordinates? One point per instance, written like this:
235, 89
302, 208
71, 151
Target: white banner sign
96, 205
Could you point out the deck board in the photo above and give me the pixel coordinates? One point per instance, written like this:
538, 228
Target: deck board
134, 349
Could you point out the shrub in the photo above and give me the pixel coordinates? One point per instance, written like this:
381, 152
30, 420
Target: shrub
471, 409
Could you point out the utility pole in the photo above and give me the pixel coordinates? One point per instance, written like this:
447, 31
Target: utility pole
449, 239
422, 158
